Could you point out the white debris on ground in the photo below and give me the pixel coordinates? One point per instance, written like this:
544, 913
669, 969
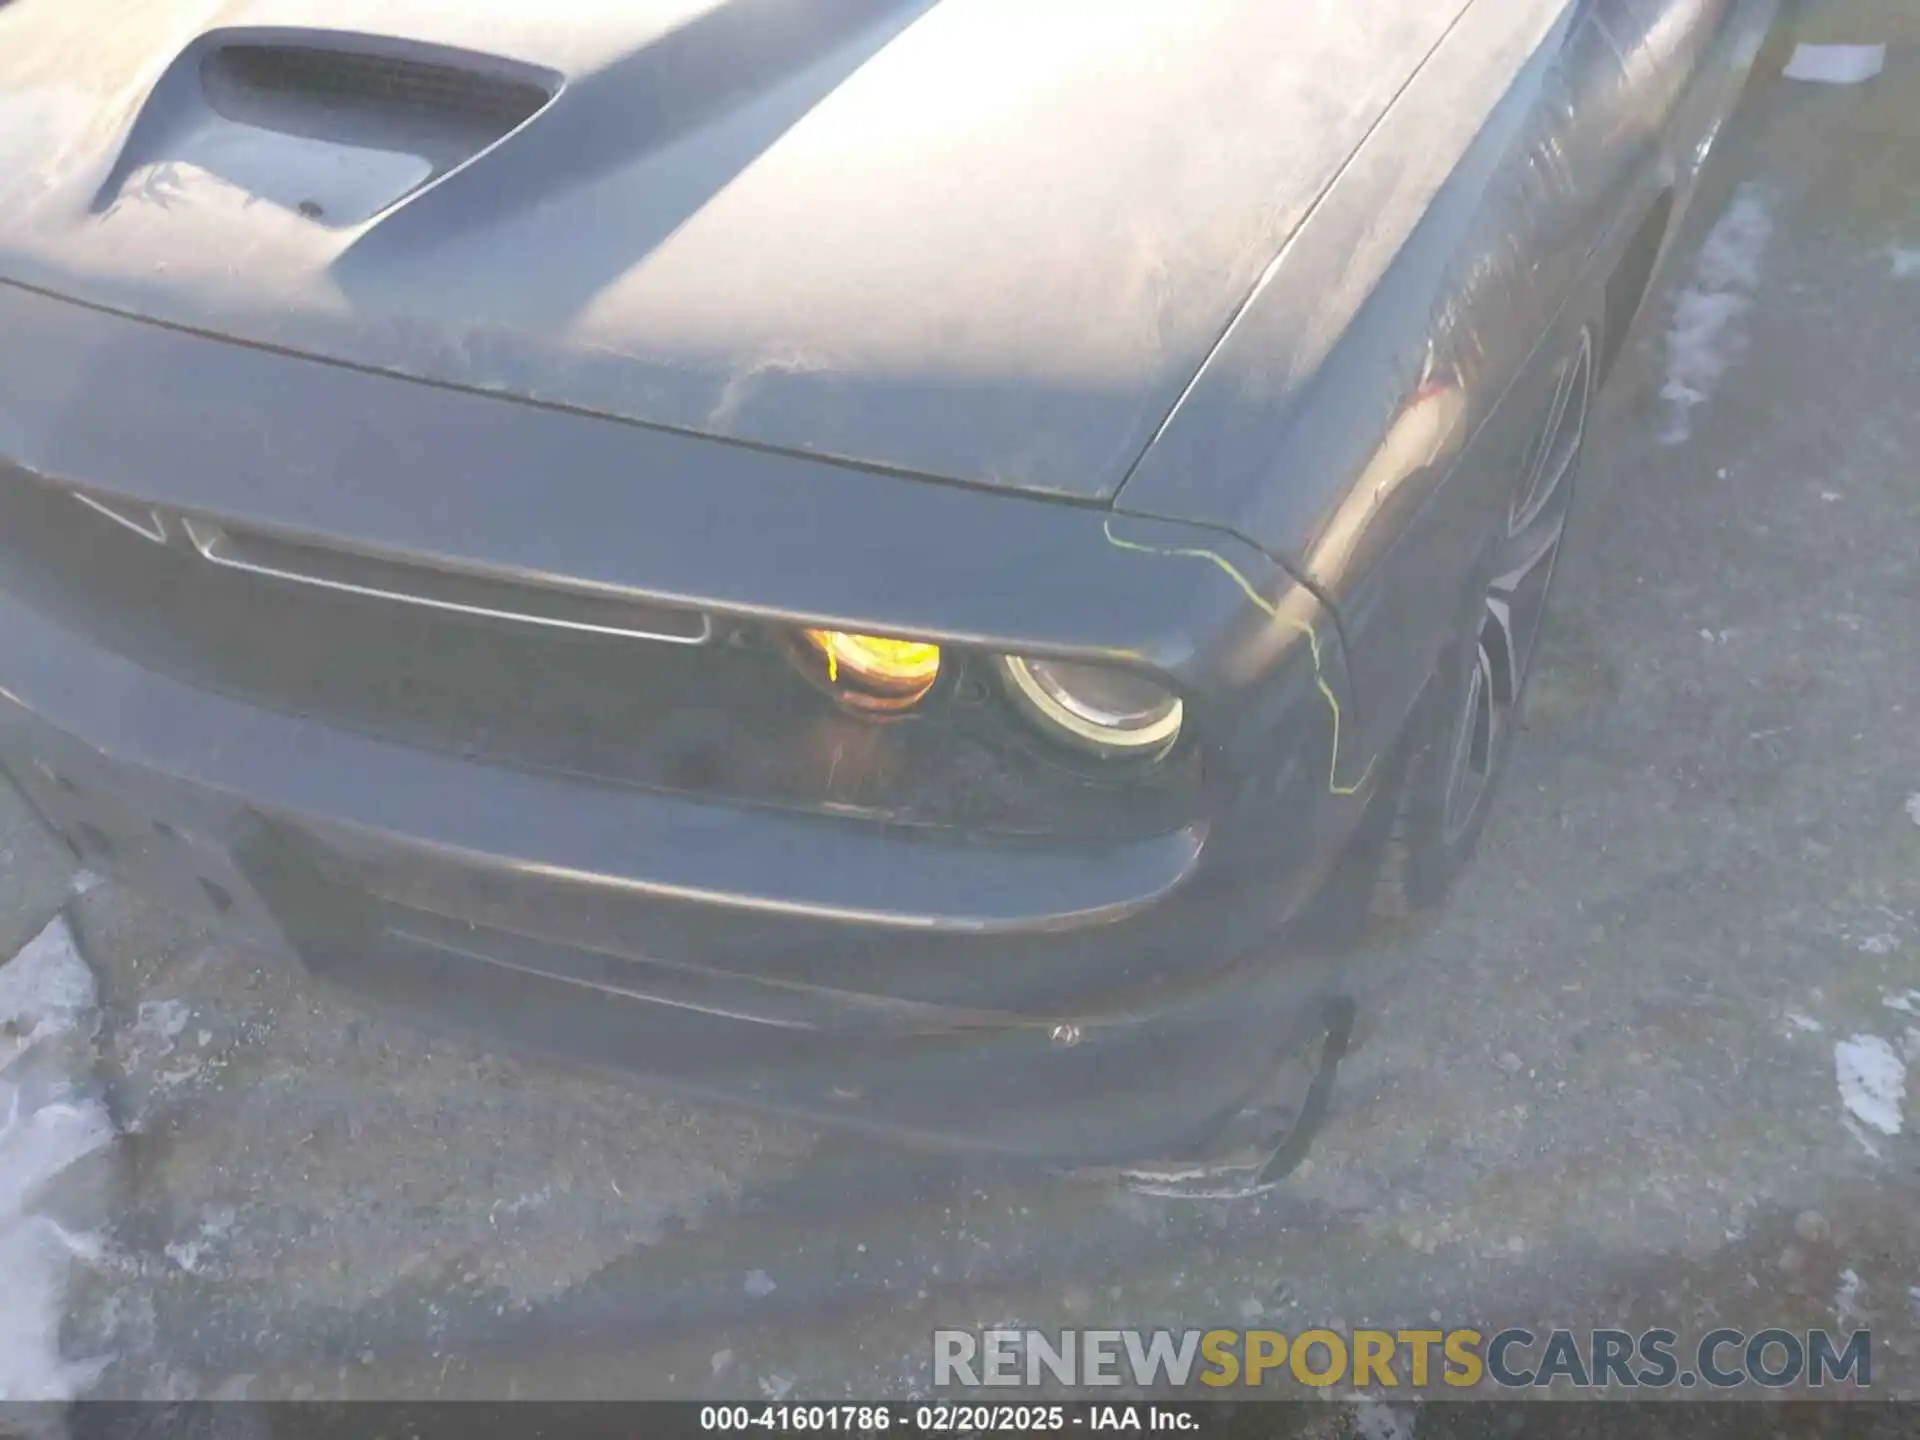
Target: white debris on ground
162, 1021
1873, 1082
51, 1118
1374, 1420
49, 985
776, 1387
759, 1284
190, 1255
1846, 1297
1836, 64
1706, 336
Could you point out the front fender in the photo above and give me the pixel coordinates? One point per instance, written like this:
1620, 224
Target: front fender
1345, 416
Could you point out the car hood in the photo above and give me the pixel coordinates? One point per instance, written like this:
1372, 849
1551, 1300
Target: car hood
985, 240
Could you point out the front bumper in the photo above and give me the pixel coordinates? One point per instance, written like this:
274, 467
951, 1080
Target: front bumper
507, 905
1073, 997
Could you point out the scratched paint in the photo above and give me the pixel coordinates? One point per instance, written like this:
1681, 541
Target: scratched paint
1272, 611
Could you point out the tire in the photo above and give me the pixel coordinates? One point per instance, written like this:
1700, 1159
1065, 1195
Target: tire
1460, 733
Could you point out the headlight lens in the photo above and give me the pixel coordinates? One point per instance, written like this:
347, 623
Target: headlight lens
1108, 711
876, 670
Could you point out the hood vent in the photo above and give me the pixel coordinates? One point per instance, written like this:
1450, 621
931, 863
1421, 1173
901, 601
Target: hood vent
333, 125
266, 85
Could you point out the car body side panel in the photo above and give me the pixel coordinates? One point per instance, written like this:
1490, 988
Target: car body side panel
957, 239
1397, 592
1376, 398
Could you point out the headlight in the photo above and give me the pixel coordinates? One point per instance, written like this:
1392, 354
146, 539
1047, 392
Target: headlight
874, 671
1108, 711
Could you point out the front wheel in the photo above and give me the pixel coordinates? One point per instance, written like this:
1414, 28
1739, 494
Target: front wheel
1462, 728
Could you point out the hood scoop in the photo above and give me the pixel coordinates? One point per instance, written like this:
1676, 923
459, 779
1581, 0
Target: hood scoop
335, 127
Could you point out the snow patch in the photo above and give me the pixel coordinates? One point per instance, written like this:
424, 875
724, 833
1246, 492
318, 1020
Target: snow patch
38, 1145
45, 990
185, 1254
189, 1254
163, 1020
47, 994
1846, 1298
1706, 336
1376, 1421
1906, 262
1882, 944
1913, 807
1873, 1082
1836, 64
1907, 1003
1799, 1024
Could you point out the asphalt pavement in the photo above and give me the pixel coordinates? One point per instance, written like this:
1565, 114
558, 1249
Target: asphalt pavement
1650, 1066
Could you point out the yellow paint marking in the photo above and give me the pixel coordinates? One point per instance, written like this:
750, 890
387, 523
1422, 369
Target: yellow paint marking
1272, 611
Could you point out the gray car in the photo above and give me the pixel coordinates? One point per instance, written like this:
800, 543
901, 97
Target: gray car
925, 565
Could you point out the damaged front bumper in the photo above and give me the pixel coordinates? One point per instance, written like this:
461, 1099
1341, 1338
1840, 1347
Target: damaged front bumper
1071, 993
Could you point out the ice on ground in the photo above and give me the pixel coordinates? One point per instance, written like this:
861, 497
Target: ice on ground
1837, 64
1873, 1082
45, 990
49, 1120
1706, 336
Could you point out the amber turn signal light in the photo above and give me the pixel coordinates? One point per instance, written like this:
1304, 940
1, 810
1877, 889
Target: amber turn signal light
876, 671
